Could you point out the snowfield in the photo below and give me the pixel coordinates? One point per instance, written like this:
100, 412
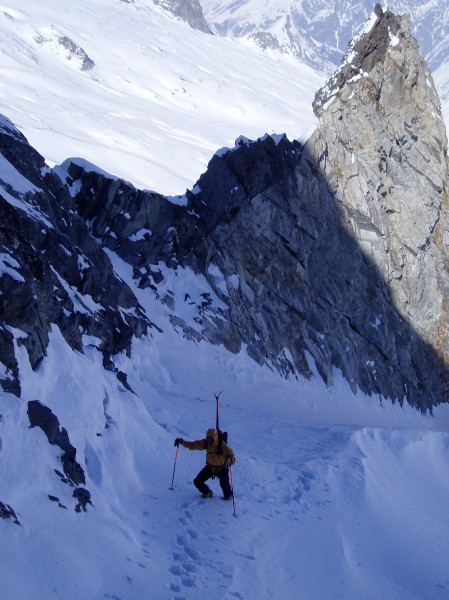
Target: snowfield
161, 99
337, 496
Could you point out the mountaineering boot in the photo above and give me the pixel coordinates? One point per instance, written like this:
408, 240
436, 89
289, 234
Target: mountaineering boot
207, 494
227, 497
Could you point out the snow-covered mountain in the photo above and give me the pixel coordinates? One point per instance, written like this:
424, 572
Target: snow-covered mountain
139, 93
161, 98
337, 494
318, 31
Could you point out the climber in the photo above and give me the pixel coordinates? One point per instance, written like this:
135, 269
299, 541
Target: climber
219, 457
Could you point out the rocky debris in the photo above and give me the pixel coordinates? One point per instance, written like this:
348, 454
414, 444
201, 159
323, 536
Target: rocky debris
123, 378
75, 51
268, 41
62, 477
56, 499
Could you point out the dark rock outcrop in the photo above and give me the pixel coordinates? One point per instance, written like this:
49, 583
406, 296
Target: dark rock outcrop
82, 496
6, 512
41, 416
53, 271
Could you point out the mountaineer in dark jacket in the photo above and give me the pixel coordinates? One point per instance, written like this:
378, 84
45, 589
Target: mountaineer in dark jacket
218, 459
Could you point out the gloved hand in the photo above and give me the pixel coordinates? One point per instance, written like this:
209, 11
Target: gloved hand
229, 460
179, 441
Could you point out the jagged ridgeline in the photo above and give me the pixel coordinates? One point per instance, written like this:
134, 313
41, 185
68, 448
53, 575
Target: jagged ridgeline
332, 254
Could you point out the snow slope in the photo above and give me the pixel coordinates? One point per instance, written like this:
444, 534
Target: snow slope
161, 98
336, 496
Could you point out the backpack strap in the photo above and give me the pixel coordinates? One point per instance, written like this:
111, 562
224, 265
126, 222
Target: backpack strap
222, 437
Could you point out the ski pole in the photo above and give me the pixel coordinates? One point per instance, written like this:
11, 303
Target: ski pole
174, 467
232, 489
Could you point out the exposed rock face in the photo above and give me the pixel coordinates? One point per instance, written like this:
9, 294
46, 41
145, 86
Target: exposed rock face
189, 11
299, 281
336, 249
52, 270
41, 416
265, 230
382, 147
71, 50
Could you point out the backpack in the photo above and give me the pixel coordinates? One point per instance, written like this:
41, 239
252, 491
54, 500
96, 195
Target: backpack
222, 437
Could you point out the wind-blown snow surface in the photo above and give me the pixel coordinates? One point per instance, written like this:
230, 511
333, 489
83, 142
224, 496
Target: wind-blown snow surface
336, 496
161, 98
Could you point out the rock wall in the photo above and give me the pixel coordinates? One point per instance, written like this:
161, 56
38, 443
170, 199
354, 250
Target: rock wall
382, 147
52, 270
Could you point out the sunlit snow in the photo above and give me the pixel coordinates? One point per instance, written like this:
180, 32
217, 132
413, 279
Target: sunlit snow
161, 99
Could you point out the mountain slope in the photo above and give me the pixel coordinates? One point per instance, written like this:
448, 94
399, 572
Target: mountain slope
158, 99
259, 194
334, 249
335, 493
